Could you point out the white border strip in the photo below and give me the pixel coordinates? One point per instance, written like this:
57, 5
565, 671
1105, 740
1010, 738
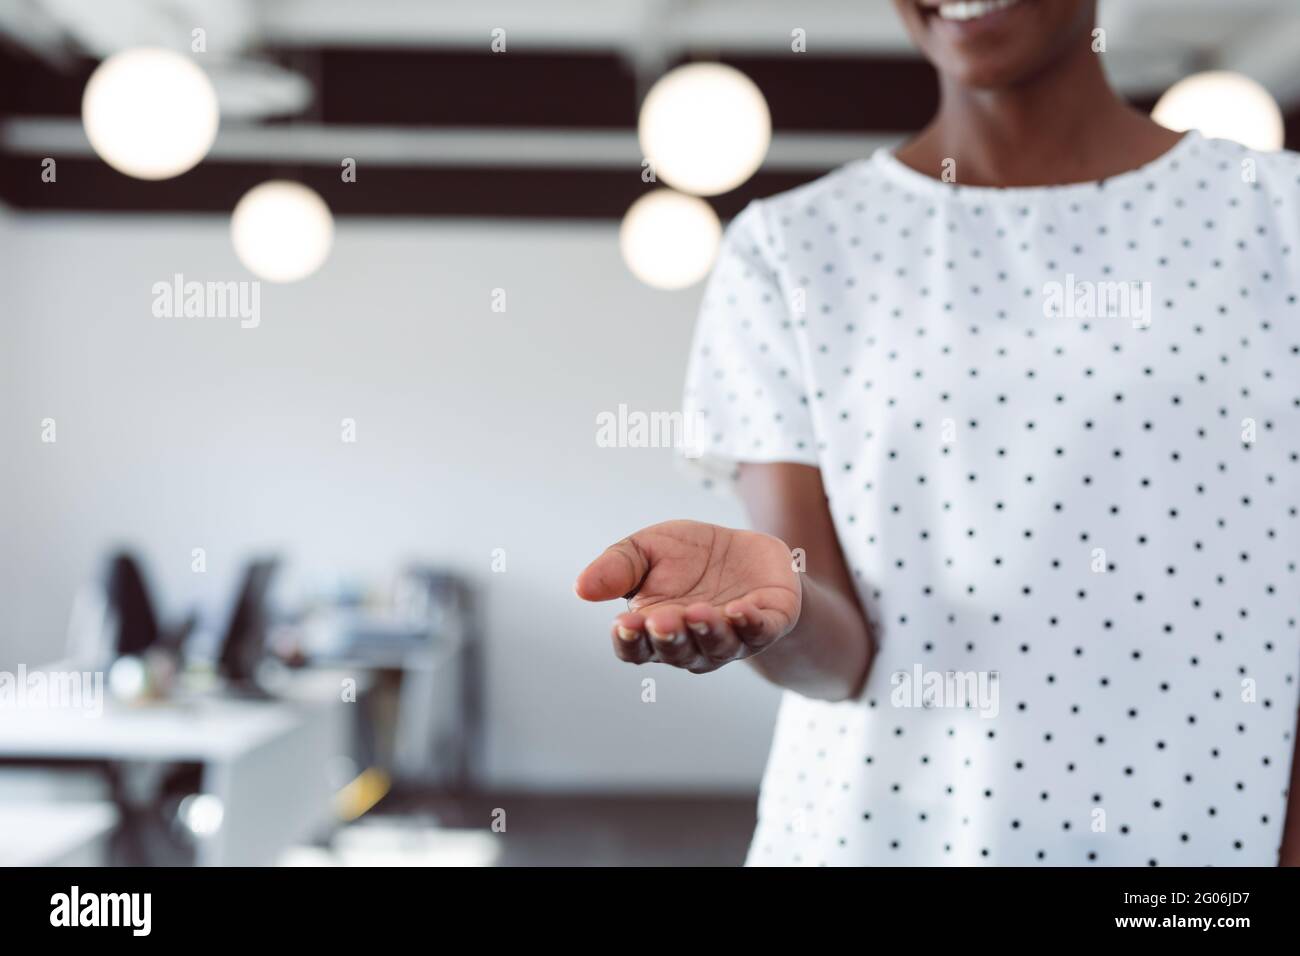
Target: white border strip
386, 146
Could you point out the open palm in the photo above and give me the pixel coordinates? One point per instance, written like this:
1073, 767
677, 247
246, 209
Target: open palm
699, 595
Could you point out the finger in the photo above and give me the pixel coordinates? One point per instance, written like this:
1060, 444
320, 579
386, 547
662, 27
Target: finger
755, 628
713, 635
669, 638
616, 573
630, 643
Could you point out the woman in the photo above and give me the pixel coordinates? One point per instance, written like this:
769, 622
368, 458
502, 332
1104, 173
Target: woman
1015, 409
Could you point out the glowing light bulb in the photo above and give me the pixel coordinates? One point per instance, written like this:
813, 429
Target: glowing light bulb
150, 113
1223, 105
282, 231
705, 128
669, 240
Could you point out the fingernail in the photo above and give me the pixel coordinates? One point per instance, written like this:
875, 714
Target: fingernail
627, 633
650, 629
739, 619
699, 627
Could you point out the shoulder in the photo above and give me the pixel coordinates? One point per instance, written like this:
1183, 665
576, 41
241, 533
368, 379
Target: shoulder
766, 224
818, 195
1276, 172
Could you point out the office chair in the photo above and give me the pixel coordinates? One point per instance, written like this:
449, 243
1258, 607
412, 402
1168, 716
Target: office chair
137, 627
244, 642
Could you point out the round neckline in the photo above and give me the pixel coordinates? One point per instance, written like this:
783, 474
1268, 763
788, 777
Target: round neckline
884, 160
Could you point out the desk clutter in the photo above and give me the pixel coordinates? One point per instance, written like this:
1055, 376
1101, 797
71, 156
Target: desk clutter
281, 725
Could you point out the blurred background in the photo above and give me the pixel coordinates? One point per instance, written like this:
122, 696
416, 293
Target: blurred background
297, 477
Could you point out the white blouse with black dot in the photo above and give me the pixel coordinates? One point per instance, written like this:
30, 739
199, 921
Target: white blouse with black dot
1059, 429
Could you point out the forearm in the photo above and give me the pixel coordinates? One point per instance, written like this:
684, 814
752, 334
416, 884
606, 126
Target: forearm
828, 654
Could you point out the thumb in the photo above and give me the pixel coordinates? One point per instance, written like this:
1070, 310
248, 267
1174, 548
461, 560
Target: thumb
616, 573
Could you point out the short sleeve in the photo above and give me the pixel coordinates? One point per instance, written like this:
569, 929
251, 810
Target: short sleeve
746, 398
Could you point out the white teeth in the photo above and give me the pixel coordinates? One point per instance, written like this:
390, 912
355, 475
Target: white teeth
973, 9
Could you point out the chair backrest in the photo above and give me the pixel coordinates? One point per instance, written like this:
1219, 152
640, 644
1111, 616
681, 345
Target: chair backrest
128, 598
245, 637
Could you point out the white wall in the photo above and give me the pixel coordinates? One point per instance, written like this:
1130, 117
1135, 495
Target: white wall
475, 431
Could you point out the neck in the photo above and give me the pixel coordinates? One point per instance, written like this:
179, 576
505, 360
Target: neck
1065, 124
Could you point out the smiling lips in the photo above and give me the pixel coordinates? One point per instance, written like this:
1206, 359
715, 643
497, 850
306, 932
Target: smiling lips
962, 11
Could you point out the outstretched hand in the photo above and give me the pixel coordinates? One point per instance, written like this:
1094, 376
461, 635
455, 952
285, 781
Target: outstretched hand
699, 595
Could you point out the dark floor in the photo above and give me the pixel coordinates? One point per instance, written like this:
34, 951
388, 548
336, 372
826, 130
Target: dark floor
583, 830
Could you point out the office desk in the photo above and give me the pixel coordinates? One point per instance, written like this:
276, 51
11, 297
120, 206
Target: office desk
266, 761
58, 834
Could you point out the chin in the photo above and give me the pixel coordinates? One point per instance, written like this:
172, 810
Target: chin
992, 73
993, 44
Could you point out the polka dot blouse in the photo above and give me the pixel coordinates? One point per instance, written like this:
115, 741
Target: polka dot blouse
1059, 428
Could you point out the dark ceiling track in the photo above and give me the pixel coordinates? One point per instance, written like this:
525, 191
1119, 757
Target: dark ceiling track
597, 91
451, 88
85, 184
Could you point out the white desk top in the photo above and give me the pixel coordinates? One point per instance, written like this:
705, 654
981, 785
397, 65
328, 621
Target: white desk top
43, 834
200, 730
